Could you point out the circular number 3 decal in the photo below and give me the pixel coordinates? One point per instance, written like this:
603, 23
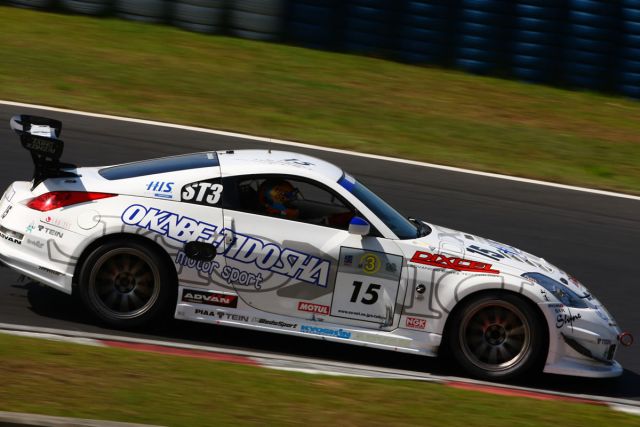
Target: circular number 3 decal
370, 263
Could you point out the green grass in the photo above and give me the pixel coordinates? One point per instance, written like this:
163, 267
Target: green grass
61, 379
330, 99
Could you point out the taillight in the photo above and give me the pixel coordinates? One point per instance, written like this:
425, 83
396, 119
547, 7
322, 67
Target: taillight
59, 199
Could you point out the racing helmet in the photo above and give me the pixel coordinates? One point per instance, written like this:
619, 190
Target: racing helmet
277, 196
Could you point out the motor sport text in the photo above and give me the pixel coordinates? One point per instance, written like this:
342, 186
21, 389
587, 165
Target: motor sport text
245, 249
458, 264
230, 274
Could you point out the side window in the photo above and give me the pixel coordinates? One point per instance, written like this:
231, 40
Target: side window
289, 198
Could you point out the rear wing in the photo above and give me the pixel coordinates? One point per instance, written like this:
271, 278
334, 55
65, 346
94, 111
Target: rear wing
40, 136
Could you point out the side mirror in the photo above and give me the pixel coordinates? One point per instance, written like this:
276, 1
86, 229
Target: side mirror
200, 251
359, 226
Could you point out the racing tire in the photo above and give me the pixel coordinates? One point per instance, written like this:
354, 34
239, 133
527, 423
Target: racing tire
497, 336
126, 283
260, 7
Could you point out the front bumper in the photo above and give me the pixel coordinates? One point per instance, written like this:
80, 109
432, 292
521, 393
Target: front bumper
582, 342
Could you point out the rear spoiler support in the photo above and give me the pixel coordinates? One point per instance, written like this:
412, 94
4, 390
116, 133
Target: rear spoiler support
40, 136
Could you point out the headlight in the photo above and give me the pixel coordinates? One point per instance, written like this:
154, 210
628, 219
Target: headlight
560, 291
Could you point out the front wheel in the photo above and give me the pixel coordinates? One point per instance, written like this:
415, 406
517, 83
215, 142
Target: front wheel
497, 337
126, 283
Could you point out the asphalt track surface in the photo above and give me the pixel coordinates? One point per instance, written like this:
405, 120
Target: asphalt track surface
594, 237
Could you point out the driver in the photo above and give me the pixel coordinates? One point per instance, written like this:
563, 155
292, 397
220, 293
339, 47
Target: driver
277, 196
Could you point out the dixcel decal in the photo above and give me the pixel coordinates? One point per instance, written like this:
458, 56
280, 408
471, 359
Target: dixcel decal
6, 211
458, 264
245, 249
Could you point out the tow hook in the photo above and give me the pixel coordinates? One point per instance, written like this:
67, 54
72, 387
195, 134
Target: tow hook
626, 339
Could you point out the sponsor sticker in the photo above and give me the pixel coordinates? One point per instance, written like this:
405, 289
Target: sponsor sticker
209, 298
327, 332
313, 308
265, 256
416, 323
277, 323
161, 189
458, 264
37, 243
6, 211
11, 236
56, 222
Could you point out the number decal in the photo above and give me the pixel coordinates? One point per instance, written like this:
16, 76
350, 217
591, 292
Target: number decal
371, 294
206, 193
370, 263
216, 192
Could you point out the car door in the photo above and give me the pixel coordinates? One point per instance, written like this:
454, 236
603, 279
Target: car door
297, 258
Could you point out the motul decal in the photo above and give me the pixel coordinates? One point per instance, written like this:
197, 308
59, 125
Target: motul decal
313, 308
458, 264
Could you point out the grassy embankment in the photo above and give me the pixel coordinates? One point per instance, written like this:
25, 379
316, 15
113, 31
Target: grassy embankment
364, 104
63, 379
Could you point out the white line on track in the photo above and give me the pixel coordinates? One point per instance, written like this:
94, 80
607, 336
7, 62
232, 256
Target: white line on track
320, 148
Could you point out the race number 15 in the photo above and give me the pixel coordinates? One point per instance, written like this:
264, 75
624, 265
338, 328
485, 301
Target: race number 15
370, 295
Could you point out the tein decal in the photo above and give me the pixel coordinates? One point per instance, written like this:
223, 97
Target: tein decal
458, 264
245, 249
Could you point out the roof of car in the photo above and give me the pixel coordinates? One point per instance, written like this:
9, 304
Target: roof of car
273, 161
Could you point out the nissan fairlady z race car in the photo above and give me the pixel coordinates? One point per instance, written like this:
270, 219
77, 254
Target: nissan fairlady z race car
282, 242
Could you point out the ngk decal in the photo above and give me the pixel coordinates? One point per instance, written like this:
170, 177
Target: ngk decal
313, 308
458, 264
416, 323
209, 298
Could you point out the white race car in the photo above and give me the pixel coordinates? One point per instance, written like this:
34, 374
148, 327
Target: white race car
283, 242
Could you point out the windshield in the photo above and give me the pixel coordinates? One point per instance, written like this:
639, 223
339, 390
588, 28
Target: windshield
401, 226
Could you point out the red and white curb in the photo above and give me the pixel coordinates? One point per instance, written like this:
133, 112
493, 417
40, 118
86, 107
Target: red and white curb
309, 365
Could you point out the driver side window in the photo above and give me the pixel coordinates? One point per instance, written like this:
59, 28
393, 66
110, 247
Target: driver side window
288, 197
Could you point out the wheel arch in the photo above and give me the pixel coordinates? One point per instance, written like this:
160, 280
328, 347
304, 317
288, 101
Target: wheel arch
117, 236
444, 346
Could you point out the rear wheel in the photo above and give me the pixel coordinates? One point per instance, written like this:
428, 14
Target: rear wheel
497, 336
126, 283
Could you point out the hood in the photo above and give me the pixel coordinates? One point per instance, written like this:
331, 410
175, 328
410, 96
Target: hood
490, 256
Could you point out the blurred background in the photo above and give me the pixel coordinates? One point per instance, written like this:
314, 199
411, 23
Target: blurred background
589, 44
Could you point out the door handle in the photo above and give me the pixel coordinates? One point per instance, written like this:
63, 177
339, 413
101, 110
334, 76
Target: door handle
229, 224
